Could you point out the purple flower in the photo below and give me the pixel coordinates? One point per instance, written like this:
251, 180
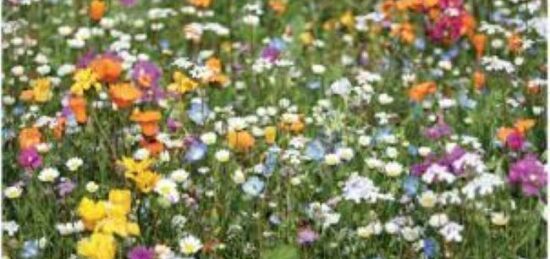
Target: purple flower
528, 172
173, 125
146, 74
86, 59
65, 187
439, 130
141, 252
307, 236
29, 158
128, 3
452, 156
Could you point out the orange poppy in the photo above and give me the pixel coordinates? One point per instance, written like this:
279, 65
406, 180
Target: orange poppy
503, 133
26, 95
97, 10
479, 80
405, 32
124, 94
201, 3
278, 6
148, 121
107, 68
515, 43
59, 128
154, 146
240, 140
418, 92
468, 25
78, 107
215, 65
295, 126
479, 40
523, 125
29, 137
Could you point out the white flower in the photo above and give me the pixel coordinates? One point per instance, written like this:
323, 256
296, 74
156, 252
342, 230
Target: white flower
385, 98
373, 228
438, 220
452, 232
364, 140
91, 187
424, 151
318, 69
499, 219
13, 192
222, 155
374, 163
48, 174
179, 175
482, 185
427, 199
252, 20
437, 172
341, 87
190, 245
209, 138
10, 227
167, 188
74, 163
410, 234
358, 188
391, 227
142, 154
332, 159
345, 153
238, 176
393, 169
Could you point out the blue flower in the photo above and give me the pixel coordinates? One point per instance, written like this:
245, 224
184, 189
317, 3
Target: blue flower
430, 248
315, 150
271, 161
411, 185
198, 112
413, 151
30, 249
196, 151
313, 85
253, 186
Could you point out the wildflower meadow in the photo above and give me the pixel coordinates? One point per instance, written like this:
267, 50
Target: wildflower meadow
274, 129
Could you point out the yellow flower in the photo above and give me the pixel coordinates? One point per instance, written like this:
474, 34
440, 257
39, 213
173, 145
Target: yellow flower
146, 180
97, 246
84, 80
347, 19
91, 212
270, 134
182, 83
122, 199
133, 167
41, 89
306, 38
119, 226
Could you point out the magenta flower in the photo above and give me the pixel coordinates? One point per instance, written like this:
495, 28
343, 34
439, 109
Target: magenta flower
29, 158
528, 172
515, 141
141, 252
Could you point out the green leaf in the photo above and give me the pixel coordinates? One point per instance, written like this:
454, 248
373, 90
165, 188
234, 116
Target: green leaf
282, 252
